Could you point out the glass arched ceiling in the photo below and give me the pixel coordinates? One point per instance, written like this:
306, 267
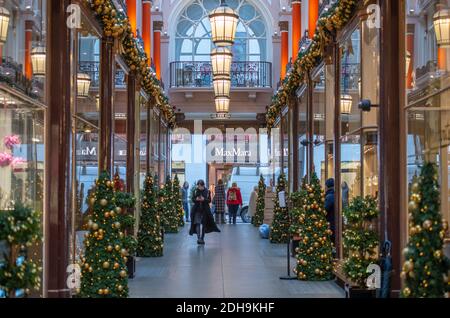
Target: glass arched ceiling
193, 32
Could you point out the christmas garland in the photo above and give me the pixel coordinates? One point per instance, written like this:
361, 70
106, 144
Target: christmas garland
117, 25
331, 21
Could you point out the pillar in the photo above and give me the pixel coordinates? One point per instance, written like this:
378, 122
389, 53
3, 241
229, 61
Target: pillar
57, 153
313, 16
132, 16
390, 134
106, 139
147, 28
131, 131
442, 58
157, 29
410, 52
284, 29
28, 39
296, 27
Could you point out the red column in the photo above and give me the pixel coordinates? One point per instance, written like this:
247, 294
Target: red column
131, 11
157, 29
147, 28
28, 39
313, 16
296, 27
410, 53
284, 29
442, 58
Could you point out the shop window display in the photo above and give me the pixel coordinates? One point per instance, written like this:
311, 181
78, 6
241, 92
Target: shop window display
285, 143
22, 114
154, 136
302, 133
427, 67
120, 125
329, 119
319, 125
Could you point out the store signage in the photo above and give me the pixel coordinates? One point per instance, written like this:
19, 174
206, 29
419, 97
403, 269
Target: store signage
235, 152
88, 151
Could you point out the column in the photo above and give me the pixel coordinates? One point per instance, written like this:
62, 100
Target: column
157, 29
106, 138
293, 141
28, 38
442, 58
313, 16
131, 131
57, 153
296, 27
390, 134
147, 28
284, 30
410, 54
131, 12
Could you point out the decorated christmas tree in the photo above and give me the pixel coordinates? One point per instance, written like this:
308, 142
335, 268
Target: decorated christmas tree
360, 239
426, 269
297, 212
125, 207
314, 253
20, 228
168, 208
150, 240
104, 271
280, 225
258, 219
178, 200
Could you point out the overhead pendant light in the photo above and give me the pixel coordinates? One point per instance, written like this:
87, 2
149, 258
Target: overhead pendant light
222, 105
4, 24
221, 59
441, 22
83, 84
38, 58
222, 86
223, 25
346, 104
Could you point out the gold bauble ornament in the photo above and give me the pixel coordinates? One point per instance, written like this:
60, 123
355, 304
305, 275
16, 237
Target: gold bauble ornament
103, 202
438, 254
106, 265
116, 265
92, 201
407, 292
412, 206
124, 252
109, 248
123, 274
117, 225
100, 291
107, 215
317, 271
427, 224
120, 288
95, 226
108, 183
415, 187
117, 247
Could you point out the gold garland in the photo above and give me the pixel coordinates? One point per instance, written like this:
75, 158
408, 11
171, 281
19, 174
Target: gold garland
118, 26
327, 26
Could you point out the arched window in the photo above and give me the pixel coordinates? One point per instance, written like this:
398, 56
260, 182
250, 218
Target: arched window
193, 32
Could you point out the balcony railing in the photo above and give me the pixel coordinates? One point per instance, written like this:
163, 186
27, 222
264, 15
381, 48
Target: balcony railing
199, 74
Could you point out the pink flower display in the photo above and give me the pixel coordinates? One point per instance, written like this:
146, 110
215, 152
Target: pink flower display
16, 161
5, 159
11, 140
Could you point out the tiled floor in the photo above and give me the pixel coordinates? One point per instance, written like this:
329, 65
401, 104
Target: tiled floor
234, 263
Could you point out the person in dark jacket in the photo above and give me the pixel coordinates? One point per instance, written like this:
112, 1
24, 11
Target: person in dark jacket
219, 202
202, 221
329, 206
185, 199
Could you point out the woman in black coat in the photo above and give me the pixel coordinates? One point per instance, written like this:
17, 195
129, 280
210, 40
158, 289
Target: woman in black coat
201, 216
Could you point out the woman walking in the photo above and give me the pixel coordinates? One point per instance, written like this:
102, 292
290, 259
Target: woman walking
201, 217
234, 201
219, 202
185, 199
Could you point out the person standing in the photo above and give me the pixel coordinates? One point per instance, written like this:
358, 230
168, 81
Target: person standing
252, 203
219, 202
185, 199
201, 217
234, 201
329, 206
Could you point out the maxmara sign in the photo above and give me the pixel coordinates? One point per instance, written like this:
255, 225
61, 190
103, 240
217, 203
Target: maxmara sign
221, 152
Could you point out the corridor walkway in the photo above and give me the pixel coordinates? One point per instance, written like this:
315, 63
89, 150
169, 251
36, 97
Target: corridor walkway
233, 264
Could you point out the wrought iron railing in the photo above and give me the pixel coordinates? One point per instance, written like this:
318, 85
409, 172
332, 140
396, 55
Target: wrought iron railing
199, 74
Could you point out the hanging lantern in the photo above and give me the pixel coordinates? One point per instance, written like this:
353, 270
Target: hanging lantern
222, 86
38, 58
223, 25
222, 104
441, 21
83, 85
346, 104
221, 59
4, 24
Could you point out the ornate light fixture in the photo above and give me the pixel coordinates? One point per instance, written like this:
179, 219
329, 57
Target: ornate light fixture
222, 104
221, 59
346, 104
441, 21
38, 58
4, 24
222, 86
223, 25
83, 84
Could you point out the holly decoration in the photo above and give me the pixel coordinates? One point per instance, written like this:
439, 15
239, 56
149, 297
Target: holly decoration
314, 252
178, 201
150, 240
20, 228
104, 271
170, 217
280, 225
426, 270
360, 239
258, 219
